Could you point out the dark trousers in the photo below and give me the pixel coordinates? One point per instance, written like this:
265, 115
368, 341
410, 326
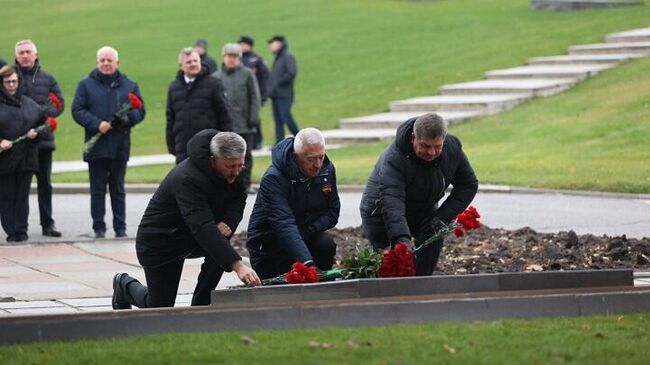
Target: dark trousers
14, 203
269, 264
282, 115
162, 285
259, 138
44, 183
248, 162
425, 261
112, 172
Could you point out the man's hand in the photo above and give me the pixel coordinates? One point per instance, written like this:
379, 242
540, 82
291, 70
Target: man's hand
224, 229
31, 134
407, 241
247, 275
429, 226
104, 127
6, 144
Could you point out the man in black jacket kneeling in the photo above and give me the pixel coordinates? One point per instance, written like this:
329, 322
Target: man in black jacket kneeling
194, 213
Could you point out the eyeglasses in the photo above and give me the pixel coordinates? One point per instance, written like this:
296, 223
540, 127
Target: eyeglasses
9, 82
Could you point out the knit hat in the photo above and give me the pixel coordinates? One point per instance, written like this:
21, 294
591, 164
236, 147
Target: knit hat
246, 39
232, 48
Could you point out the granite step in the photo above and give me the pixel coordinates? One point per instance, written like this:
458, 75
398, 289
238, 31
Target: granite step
587, 59
609, 48
486, 104
393, 119
576, 72
531, 87
637, 35
349, 136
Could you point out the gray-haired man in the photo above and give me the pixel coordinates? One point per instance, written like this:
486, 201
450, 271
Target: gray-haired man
400, 201
194, 213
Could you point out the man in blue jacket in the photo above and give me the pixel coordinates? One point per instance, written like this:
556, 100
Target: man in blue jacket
296, 203
97, 99
281, 92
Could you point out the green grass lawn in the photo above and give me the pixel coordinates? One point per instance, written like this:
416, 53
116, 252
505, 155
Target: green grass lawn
593, 137
582, 340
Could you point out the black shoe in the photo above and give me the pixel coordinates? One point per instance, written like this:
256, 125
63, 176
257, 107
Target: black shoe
119, 302
20, 237
51, 232
11, 238
100, 234
120, 234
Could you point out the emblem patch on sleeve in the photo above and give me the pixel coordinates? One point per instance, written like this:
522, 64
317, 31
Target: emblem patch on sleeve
327, 188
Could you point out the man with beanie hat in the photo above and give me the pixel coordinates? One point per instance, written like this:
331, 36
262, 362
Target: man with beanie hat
243, 96
283, 75
201, 46
256, 63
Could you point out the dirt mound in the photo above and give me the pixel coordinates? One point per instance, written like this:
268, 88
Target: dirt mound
487, 250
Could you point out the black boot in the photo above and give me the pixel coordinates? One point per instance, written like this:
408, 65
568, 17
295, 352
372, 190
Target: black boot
120, 281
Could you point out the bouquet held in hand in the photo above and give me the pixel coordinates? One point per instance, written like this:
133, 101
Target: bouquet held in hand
133, 104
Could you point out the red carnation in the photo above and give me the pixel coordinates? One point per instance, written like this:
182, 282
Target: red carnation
55, 101
135, 101
398, 261
52, 123
301, 273
458, 232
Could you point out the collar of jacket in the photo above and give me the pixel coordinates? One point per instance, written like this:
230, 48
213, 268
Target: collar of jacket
180, 75
113, 81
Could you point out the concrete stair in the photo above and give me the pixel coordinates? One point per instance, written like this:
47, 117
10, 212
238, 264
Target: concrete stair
501, 90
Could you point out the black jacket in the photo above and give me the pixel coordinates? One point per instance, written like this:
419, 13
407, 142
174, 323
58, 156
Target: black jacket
38, 84
287, 201
192, 108
283, 74
99, 97
180, 220
18, 114
208, 63
256, 63
403, 189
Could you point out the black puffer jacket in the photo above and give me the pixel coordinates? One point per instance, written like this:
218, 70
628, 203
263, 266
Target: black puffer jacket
403, 189
180, 220
19, 114
192, 108
288, 201
38, 84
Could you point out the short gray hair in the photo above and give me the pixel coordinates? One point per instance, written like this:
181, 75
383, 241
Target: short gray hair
430, 125
227, 145
186, 52
23, 42
110, 49
307, 136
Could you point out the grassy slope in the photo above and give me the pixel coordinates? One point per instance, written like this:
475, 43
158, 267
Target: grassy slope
587, 340
354, 56
583, 139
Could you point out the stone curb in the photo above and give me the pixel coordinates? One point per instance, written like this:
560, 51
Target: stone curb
83, 188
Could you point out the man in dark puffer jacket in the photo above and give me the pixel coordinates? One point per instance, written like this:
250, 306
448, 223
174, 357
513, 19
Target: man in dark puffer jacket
194, 213
38, 84
400, 202
195, 101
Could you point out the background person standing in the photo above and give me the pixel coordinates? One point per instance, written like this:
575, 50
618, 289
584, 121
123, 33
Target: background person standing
38, 84
281, 90
256, 63
98, 97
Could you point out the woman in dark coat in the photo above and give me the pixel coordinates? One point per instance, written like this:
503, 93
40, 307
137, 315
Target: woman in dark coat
19, 115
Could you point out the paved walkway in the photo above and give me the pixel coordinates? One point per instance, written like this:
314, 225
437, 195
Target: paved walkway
73, 273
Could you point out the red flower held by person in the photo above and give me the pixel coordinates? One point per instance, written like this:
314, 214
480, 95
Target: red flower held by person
301, 274
55, 101
134, 101
52, 124
397, 261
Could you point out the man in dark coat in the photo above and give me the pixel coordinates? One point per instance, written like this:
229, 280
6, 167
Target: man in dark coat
243, 97
38, 84
201, 46
256, 63
195, 101
193, 213
297, 202
400, 201
97, 99
281, 91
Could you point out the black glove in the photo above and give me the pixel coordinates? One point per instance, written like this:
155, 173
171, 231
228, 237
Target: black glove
253, 124
428, 227
407, 241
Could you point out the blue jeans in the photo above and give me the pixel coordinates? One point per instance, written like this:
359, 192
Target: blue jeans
282, 115
112, 172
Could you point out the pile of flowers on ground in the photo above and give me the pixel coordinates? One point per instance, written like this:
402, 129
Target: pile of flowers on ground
397, 261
